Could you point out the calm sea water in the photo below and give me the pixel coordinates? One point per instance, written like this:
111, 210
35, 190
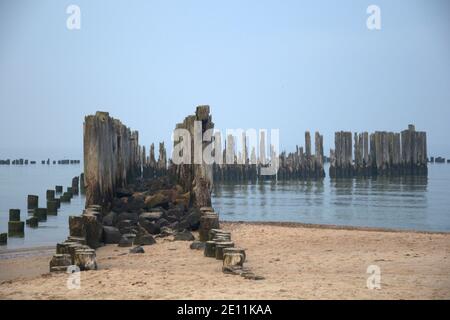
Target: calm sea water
400, 203
16, 182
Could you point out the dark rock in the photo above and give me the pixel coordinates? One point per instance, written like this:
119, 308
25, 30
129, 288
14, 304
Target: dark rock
150, 227
162, 222
110, 219
192, 220
132, 216
157, 200
144, 238
184, 236
137, 249
122, 192
151, 216
197, 245
111, 235
127, 240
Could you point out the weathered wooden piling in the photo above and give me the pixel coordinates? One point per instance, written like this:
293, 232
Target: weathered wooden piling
16, 228
41, 214
197, 175
75, 185
50, 195
14, 214
82, 187
60, 262
232, 259
85, 259
220, 246
111, 157
52, 207
380, 154
208, 221
32, 202
59, 189
32, 222
3, 238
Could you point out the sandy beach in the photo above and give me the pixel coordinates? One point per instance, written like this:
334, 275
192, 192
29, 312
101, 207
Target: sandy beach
297, 262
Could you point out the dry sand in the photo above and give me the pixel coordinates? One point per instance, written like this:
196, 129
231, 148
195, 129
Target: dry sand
297, 262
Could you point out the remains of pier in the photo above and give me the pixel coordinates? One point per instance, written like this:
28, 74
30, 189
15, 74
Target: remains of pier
379, 154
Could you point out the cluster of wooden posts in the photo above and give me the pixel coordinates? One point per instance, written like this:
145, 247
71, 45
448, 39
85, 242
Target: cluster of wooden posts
79, 248
111, 157
219, 245
379, 154
152, 168
245, 166
26, 162
16, 227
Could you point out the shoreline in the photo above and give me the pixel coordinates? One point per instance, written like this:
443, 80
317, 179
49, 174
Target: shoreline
43, 250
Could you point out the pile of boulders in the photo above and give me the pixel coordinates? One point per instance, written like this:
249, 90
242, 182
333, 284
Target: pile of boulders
140, 213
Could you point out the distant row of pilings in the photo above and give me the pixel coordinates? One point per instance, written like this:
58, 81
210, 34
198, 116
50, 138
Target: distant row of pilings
379, 154
38, 214
27, 162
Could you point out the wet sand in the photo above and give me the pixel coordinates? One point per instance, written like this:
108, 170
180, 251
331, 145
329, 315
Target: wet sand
297, 262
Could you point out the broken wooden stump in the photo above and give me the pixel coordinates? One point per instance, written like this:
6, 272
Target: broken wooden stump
220, 246
218, 233
59, 189
32, 222
50, 195
208, 221
60, 262
233, 259
85, 259
3, 238
14, 214
32, 202
210, 249
16, 228
41, 214
235, 250
52, 207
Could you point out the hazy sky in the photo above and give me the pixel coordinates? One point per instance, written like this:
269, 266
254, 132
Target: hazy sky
293, 65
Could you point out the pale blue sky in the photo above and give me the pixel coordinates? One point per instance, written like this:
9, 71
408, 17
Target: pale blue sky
292, 65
